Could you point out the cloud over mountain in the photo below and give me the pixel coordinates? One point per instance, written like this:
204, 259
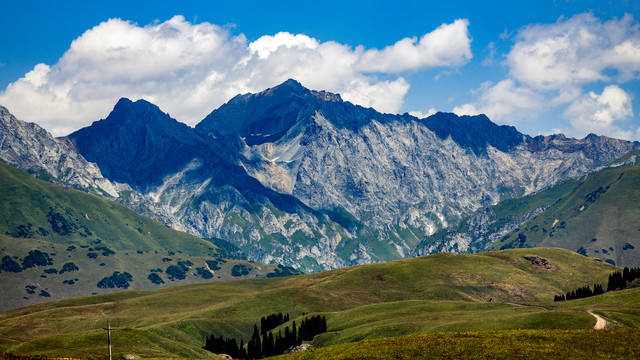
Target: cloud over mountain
190, 69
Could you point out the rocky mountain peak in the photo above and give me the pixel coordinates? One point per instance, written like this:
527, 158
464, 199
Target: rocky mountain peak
268, 115
133, 139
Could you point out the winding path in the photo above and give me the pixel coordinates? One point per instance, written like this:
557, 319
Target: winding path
601, 323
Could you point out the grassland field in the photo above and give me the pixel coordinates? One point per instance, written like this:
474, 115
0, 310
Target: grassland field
434, 297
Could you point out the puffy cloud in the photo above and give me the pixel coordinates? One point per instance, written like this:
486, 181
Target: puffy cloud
576, 51
447, 45
190, 69
504, 102
266, 45
421, 115
601, 113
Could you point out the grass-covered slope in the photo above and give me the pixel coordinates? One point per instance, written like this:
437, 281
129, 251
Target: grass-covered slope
504, 345
35, 209
599, 217
440, 292
58, 242
453, 330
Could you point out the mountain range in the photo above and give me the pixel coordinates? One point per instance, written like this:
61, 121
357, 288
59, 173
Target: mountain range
302, 178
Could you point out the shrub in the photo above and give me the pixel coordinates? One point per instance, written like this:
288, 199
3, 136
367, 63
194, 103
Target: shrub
10, 265
204, 273
240, 270
213, 265
117, 279
68, 267
175, 272
36, 258
155, 278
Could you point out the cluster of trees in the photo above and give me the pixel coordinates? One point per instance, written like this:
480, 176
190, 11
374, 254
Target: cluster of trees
272, 321
282, 271
580, 293
33, 259
263, 342
178, 272
617, 281
620, 279
240, 270
116, 280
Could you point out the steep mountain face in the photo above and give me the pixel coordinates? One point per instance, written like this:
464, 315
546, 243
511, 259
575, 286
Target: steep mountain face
299, 177
131, 142
34, 150
264, 117
474, 132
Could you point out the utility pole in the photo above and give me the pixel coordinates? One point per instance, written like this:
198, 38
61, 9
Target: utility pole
108, 328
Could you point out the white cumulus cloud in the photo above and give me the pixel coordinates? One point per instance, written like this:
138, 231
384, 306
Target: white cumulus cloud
601, 113
504, 102
447, 45
190, 69
576, 51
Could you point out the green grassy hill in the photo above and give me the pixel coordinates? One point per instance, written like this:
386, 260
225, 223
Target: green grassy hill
488, 331
58, 242
599, 217
436, 293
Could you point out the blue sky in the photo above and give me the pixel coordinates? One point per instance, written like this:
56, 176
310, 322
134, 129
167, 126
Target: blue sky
544, 66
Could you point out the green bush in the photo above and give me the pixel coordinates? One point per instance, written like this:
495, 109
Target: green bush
204, 273
36, 258
117, 279
240, 270
155, 278
68, 267
175, 272
10, 265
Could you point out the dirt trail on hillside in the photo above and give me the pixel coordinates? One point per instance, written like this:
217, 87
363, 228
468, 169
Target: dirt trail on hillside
601, 323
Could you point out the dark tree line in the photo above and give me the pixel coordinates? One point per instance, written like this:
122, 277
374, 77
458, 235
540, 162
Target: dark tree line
272, 321
620, 279
580, 293
617, 281
263, 342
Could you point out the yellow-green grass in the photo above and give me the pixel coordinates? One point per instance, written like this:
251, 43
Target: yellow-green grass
437, 293
620, 308
513, 344
13, 291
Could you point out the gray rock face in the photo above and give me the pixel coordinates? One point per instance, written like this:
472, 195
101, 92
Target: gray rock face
401, 182
33, 149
